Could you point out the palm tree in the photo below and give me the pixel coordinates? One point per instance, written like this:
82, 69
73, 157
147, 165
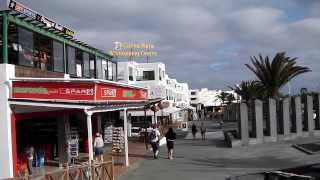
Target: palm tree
274, 75
222, 96
248, 90
230, 98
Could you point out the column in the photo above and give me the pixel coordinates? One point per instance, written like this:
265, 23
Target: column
90, 141
297, 116
309, 114
7, 158
259, 120
317, 121
272, 110
5, 38
62, 138
99, 122
244, 128
125, 130
286, 117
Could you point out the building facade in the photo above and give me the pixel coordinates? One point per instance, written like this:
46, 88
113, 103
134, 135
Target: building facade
207, 101
153, 76
54, 88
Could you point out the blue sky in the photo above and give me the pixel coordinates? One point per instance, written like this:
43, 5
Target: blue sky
205, 43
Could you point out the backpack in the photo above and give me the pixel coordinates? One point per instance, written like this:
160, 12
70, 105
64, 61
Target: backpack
152, 135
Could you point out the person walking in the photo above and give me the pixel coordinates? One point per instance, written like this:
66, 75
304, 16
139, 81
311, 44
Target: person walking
170, 136
194, 131
203, 130
98, 147
30, 155
154, 140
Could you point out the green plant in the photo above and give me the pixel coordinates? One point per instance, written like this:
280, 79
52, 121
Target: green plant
275, 74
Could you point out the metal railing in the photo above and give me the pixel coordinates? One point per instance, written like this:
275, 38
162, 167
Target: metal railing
95, 171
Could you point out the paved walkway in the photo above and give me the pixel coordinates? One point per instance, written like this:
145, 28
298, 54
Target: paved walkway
210, 159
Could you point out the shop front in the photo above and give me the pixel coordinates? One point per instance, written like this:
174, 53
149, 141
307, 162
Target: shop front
48, 114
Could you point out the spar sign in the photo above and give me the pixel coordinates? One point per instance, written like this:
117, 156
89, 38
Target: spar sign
76, 91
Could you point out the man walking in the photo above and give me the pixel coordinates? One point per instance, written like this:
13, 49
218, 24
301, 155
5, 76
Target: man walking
203, 131
154, 140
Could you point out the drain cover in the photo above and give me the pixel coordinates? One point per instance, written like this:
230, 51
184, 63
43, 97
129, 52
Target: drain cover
309, 148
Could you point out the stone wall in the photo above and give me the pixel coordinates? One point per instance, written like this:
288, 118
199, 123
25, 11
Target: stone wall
274, 120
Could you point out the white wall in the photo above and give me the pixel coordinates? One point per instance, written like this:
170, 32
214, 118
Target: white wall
6, 161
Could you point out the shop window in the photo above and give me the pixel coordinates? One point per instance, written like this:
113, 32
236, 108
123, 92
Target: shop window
86, 65
58, 62
71, 56
13, 46
99, 68
110, 71
42, 52
114, 67
104, 69
130, 73
25, 48
148, 75
1, 42
92, 64
79, 62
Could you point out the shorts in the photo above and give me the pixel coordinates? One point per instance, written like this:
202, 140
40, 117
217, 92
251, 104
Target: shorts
99, 151
170, 144
155, 146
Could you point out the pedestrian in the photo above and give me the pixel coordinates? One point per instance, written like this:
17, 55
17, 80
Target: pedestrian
194, 130
203, 130
30, 155
147, 135
154, 139
98, 147
170, 136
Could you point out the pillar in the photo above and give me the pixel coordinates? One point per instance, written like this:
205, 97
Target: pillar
244, 127
5, 38
272, 110
258, 120
63, 129
99, 122
297, 115
90, 141
317, 120
285, 117
7, 157
309, 114
125, 130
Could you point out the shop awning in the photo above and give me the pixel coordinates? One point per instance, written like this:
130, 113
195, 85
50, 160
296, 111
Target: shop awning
92, 95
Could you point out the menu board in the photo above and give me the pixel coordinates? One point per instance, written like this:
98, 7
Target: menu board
117, 140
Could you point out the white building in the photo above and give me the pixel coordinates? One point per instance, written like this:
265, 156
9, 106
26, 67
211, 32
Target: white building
205, 100
154, 77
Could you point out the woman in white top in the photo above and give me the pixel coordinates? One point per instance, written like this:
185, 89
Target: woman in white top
98, 147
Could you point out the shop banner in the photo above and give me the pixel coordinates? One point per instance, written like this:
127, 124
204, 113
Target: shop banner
76, 91
56, 90
112, 92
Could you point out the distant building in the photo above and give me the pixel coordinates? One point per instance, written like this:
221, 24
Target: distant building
206, 101
154, 77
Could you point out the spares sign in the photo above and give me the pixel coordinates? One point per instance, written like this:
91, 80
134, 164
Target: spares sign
76, 91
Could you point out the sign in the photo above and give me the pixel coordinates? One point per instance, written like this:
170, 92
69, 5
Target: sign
113, 92
76, 91
16, 6
124, 49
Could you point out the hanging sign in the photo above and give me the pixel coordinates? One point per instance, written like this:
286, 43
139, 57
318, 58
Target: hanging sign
16, 6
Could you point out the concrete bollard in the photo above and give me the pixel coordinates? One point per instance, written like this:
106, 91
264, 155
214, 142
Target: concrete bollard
297, 115
259, 120
272, 110
244, 127
309, 114
286, 117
